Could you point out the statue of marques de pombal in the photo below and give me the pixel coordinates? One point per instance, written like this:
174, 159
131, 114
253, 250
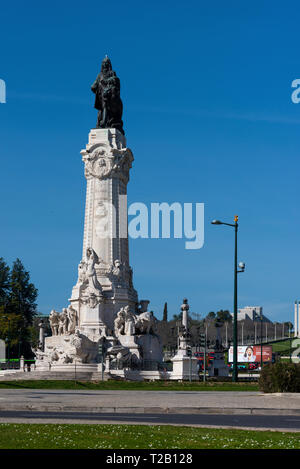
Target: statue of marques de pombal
107, 100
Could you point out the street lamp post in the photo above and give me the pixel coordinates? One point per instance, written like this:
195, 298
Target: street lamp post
236, 271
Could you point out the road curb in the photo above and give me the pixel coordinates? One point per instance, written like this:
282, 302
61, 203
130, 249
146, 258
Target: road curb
150, 410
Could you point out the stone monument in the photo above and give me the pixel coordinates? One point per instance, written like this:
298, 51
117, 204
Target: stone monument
185, 366
103, 303
218, 367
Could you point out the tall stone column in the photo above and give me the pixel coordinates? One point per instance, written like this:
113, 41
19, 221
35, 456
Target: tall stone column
104, 275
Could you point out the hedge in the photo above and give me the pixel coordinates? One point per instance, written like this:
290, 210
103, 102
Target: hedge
280, 377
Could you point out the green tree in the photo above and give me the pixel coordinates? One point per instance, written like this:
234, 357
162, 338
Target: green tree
224, 315
10, 327
23, 293
211, 315
4, 283
22, 304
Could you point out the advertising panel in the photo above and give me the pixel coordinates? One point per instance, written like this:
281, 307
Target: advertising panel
251, 353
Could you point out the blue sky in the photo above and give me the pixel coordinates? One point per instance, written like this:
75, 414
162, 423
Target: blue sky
206, 89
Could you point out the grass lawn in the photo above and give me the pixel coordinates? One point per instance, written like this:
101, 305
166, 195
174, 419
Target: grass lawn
76, 436
130, 385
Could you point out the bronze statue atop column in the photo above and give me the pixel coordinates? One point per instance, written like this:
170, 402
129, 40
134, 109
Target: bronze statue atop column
107, 100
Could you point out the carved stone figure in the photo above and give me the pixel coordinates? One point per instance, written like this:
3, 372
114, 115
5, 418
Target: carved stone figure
72, 319
129, 321
117, 274
92, 259
107, 100
119, 323
54, 356
82, 278
145, 323
40, 355
116, 268
54, 321
84, 352
63, 322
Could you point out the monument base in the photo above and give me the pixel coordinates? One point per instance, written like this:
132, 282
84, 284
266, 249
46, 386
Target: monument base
184, 368
218, 368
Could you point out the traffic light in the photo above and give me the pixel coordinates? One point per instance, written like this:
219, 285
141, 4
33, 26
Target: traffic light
202, 340
189, 351
101, 350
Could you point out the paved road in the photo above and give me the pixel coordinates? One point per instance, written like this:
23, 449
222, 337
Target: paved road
286, 423
186, 402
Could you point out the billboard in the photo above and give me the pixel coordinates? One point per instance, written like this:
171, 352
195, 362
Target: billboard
251, 353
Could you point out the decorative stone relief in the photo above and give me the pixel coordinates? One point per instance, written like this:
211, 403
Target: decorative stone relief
106, 162
82, 345
89, 286
63, 323
128, 323
120, 275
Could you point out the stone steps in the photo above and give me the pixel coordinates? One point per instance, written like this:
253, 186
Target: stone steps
55, 375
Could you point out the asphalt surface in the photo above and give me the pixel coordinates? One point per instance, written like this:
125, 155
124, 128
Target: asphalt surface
252, 410
188, 402
250, 422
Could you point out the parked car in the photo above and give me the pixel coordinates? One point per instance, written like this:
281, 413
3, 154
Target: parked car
240, 367
253, 366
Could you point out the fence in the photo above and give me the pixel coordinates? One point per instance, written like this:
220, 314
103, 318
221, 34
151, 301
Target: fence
144, 365
13, 364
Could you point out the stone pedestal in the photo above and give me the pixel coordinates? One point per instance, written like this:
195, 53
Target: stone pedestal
184, 368
218, 367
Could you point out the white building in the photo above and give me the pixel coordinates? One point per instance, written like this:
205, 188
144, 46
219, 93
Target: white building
252, 313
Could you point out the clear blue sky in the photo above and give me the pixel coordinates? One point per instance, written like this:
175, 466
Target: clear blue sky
206, 88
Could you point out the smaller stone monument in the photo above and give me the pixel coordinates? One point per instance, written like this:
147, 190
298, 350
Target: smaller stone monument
185, 366
218, 367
